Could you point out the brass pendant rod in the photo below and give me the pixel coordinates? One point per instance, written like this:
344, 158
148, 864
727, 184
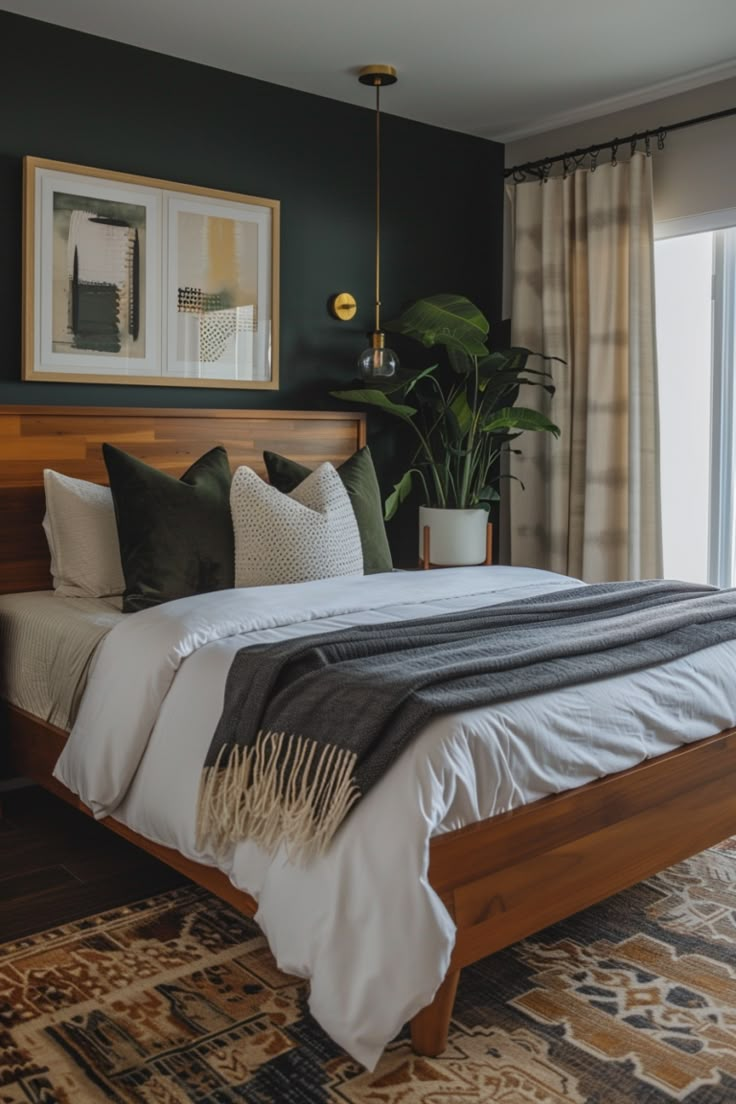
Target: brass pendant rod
378, 204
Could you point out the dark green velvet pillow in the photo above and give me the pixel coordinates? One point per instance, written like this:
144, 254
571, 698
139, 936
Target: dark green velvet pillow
359, 477
176, 535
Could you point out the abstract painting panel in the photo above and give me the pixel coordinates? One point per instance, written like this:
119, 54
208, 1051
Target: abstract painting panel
219, 290
98, 271
92, 276
129, 279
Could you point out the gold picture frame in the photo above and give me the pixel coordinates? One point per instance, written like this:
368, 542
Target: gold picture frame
134, 280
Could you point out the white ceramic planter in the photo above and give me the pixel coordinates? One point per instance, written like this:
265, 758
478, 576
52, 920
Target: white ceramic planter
457, 538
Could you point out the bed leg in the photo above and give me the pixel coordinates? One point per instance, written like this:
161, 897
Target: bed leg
430, 1026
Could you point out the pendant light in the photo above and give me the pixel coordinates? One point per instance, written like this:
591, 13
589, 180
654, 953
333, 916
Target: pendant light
377, 362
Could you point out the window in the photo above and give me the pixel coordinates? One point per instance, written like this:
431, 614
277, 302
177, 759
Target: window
695, 275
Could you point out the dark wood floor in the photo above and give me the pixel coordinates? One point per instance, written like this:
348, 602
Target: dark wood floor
57, 865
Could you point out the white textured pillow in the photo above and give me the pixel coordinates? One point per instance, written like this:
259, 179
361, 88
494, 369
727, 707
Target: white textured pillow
309, 534
82, 534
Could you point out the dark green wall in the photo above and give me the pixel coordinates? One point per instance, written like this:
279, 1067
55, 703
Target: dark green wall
78, 98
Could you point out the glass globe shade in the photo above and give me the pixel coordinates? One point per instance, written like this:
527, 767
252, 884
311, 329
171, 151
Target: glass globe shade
378, 362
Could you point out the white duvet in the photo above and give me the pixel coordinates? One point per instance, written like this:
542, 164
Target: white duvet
362, 921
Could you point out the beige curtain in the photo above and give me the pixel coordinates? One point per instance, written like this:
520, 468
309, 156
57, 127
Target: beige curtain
583, 290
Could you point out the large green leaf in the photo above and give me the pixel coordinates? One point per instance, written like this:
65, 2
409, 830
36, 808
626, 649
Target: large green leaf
513, 379
411, 384
501, 374
459, 360
506, 360
500, 383
519, 417
513, 360
450, 320
370, 397
401, 490
461, 409
454, 430
513, 349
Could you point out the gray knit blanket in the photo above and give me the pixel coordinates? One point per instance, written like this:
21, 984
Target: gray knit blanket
310, 724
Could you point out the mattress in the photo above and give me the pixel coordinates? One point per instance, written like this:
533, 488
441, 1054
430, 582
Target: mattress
47, 644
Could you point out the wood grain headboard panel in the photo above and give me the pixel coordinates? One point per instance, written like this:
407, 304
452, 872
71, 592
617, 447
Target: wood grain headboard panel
69, 439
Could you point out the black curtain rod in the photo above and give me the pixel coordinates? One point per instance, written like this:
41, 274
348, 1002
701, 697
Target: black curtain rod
574, 158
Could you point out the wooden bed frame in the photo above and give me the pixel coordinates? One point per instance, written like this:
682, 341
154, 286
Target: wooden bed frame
501, 879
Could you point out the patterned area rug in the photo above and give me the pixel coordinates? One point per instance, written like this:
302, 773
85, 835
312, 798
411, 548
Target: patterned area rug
177, 999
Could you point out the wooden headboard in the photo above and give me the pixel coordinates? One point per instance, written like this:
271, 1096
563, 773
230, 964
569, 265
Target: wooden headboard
69, 439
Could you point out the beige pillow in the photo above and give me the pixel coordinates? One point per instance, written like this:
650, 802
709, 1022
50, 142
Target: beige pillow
308, 534
82, 536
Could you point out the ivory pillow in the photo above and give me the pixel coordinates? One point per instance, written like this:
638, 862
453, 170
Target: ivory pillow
358, 474
308, 534
82, 536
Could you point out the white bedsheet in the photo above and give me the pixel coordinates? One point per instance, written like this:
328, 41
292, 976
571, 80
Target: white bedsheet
46, 647
362, 921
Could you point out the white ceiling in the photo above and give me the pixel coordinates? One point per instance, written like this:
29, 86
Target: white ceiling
497, 68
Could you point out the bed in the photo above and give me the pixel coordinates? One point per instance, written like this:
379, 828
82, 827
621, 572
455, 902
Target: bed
500, 879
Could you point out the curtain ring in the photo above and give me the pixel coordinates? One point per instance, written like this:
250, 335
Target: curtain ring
594, 160
648, 145
661, 135
614, 151
565, 166
546, 169
632, 150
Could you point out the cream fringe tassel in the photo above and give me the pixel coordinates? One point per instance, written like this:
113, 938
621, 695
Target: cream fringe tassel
251, 799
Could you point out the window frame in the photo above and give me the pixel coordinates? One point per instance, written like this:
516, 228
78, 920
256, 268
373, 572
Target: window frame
722, 484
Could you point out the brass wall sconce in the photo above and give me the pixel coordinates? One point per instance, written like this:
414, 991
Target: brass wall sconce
342, 306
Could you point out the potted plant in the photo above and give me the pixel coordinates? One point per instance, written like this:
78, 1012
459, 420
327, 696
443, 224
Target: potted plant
463, 415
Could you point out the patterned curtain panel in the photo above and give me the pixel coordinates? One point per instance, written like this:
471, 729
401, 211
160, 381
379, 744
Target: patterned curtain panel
583, 290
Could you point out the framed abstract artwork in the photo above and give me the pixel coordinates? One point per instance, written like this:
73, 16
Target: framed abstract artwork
129, 279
